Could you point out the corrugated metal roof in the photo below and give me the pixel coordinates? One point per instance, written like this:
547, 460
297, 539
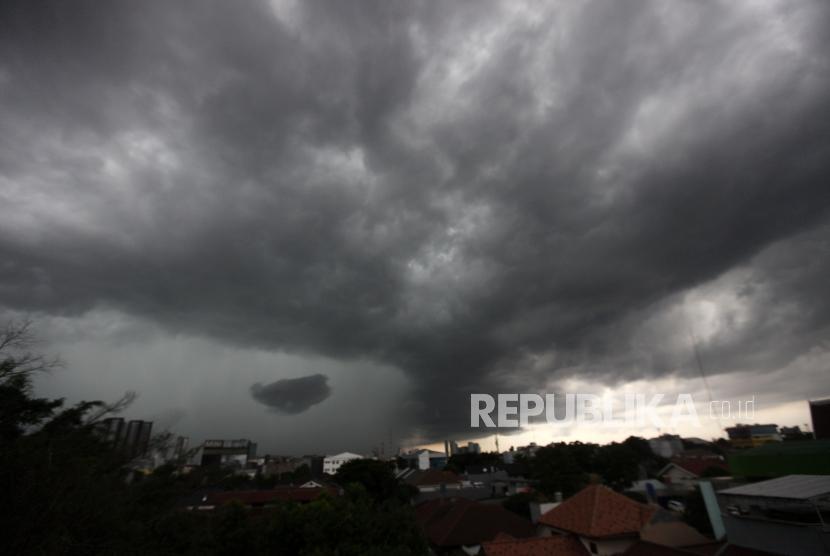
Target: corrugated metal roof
795, 487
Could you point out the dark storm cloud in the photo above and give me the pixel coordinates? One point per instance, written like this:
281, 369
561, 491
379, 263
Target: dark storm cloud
292, 395
488, 196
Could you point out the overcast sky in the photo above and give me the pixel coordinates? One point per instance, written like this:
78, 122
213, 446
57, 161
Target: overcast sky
322, 225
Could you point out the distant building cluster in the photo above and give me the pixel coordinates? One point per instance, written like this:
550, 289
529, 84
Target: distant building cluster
451, 448
460, 491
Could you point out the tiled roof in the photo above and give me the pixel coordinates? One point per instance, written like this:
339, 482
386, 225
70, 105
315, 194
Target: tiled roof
556, 545
596, 512
262, 497
673, 533
456, 522
432, 477
697, 466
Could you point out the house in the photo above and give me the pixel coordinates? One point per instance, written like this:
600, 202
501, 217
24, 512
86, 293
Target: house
432, 480
332, 463
671, 532
683, 472
259, 498
786, 515
608, 523
457, 525
434, 483
649, 488
504, 545
502, 483
604, 521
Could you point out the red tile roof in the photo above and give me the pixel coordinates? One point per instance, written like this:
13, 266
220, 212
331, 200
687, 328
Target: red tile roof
596, 512
698, 465
556, 545
263, 497
673, 533
457, 521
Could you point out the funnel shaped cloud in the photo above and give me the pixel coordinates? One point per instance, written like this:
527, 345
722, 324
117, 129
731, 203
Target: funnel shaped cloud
291, 396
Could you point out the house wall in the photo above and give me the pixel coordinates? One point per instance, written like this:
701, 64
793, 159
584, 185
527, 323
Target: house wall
332, 464
603, 547
676, 477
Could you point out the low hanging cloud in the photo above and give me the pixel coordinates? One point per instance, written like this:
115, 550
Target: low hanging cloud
291, 396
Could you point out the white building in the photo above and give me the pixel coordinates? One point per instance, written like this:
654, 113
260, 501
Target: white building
332, 463
425, 459
678, 477
666, 445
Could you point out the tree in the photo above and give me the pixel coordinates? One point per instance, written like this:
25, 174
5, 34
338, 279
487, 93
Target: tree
67, 487
617, 464
558, 470
696, 514
376, 478
67, 492
714, 471
458, 463
520, 503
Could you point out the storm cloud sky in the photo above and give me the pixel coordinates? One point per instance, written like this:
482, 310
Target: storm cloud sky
417, 199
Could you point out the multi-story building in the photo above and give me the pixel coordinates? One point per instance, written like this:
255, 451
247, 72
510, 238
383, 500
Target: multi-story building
111, 430
425, 459
234, 453
752, 436
332, 463
180, 448
137, 437
132, 438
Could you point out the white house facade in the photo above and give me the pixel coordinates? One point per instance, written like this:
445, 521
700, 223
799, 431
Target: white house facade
332, 463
